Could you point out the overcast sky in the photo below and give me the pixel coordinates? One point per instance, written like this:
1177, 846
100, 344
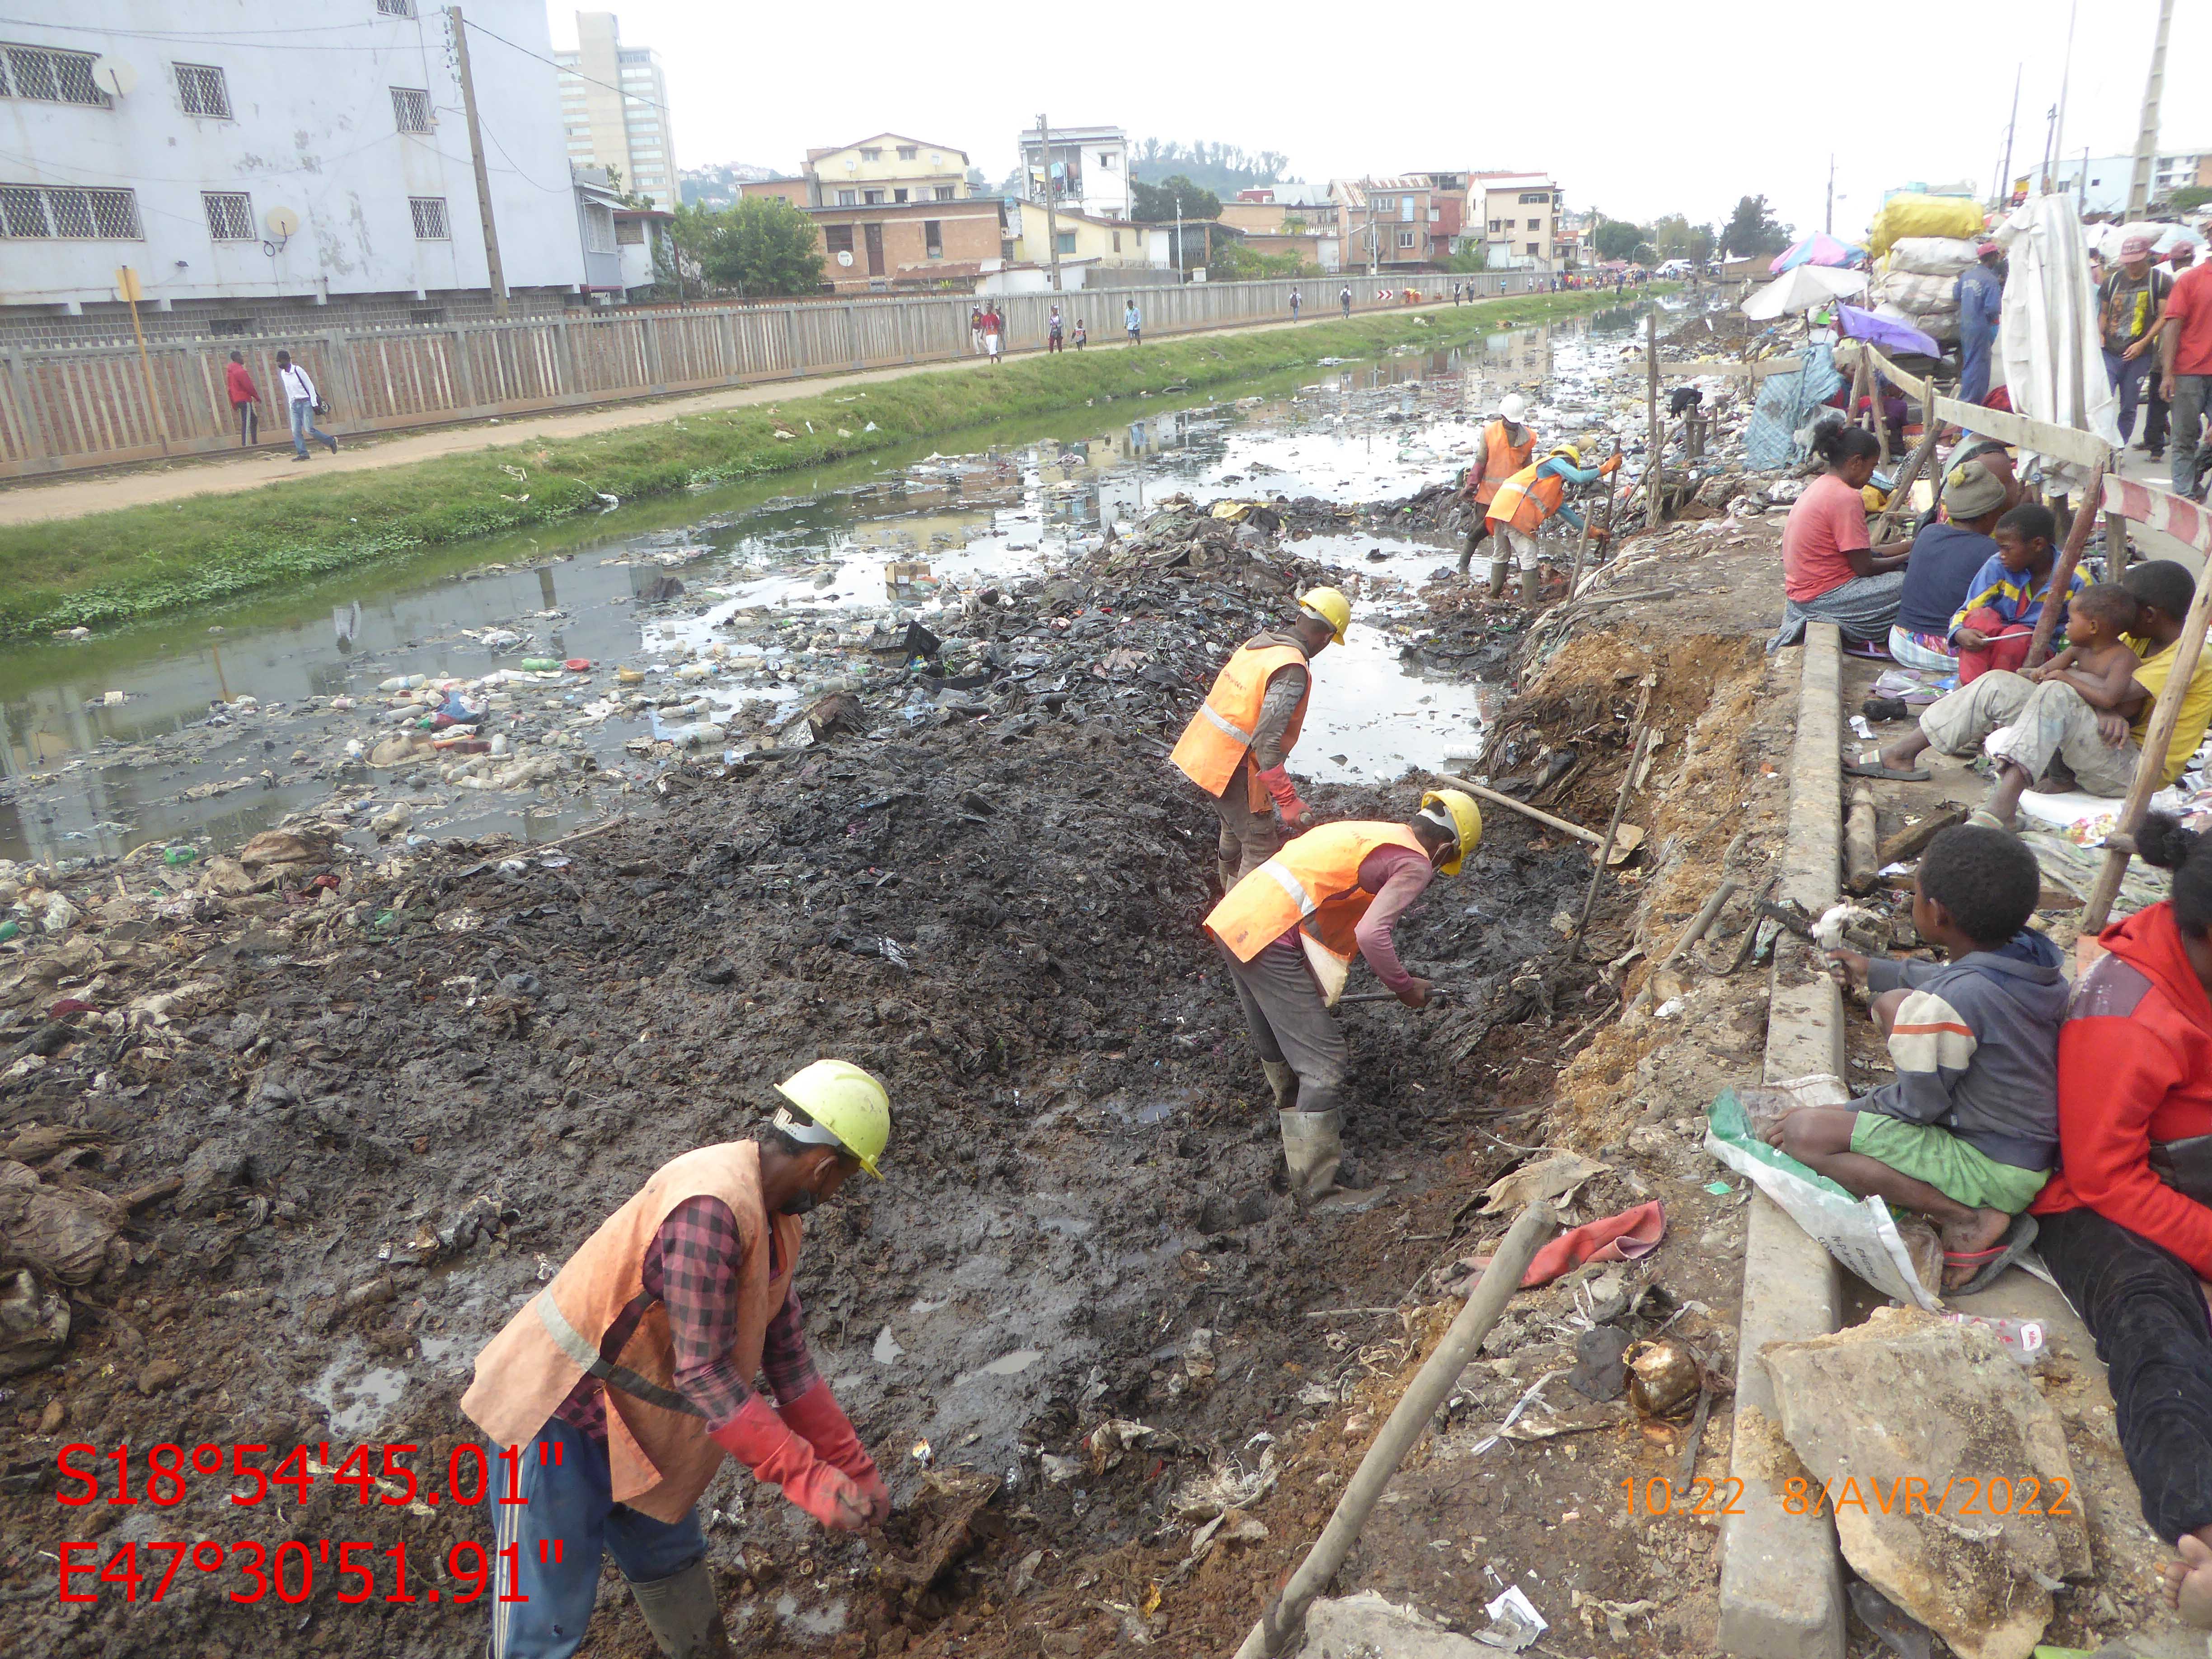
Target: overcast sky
1635, 108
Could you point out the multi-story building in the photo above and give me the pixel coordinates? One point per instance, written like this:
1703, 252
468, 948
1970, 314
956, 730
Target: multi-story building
1394, 224
2109, 176
1518, 220
614, 103
1089, 169
885, 171
255, 178
883, 246
1281, 220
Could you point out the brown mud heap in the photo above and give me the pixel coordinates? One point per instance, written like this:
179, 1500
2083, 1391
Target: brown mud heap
299, 1131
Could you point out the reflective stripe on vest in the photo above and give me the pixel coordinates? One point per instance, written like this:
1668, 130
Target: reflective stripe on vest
570, 1341
1529, 499
1501, 459
1313, 883
1211, 750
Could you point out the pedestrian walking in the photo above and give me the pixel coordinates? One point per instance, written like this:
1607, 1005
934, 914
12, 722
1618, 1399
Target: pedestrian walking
1294, 305
244, 399
1082, 335
1979, 294
1134, 320
994, 328
976, 330
1053, 332
2157, 412
1344, 300
300, 397
2184, 359
2131, 309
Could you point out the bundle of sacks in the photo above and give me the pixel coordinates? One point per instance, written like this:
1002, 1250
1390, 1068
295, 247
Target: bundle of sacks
1916, 282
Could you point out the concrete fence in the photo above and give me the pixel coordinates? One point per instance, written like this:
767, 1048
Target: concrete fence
85, 406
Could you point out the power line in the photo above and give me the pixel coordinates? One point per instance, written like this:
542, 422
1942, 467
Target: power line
566, 68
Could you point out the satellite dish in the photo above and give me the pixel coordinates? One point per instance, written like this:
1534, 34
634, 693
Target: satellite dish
281, 222
844, 256
113, 76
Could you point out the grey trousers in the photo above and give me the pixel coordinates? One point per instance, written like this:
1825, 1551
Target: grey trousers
1248, 839
2047, 720
1283, 1007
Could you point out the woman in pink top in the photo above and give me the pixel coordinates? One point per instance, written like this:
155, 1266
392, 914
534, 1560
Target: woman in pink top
1830, 573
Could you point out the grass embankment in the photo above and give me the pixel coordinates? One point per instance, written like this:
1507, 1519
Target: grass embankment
137, 562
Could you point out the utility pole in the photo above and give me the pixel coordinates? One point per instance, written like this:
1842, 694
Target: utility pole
1051, 218
2005, 168
492, 266
2065, 75
1830, 225
2146, 134
2081, 201
1178, 257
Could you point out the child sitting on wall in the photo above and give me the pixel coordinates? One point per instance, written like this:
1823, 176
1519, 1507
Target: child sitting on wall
1968, 1133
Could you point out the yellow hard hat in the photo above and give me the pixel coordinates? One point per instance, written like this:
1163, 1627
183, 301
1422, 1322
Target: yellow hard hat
1572, 454
1327, 604
1467, 821
846, 1106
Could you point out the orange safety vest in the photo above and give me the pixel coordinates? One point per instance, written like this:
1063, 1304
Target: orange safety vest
1213, 745
1526, 500
1313, 883
658, 1453
1501, 459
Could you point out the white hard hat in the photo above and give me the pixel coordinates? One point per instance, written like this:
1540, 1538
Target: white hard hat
1514, 407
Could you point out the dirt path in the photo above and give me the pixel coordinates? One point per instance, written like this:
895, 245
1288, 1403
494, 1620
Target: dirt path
152, 482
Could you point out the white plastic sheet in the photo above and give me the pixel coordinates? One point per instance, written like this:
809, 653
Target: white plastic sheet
2047, 336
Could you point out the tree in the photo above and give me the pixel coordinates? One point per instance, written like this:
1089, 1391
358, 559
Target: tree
762, 247
1673, 237
1156, 203
1233, 262
2189, 197
1751, 229
1616, 239
1223, 169
1471, 257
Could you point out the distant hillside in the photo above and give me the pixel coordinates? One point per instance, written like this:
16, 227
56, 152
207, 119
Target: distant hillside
717, 187
1225, 169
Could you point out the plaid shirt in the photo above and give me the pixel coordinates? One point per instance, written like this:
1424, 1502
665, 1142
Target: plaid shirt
692, 1266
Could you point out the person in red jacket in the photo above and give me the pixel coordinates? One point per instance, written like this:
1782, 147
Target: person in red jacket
2126, 1227
245, 398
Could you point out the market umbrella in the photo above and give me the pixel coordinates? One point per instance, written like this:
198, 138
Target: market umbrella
1884, 332
1803, 289
1818, 249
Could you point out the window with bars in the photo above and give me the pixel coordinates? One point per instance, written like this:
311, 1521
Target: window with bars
69, 214
229, 215
396, 8
598, 228
430, 224
202, 88
50, 76
411, 109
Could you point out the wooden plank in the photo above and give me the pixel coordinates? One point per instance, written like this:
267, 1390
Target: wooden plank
2062, 576
2161, 510
1758, 369
2063, 443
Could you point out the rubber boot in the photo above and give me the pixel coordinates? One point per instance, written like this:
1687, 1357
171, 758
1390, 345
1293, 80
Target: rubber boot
1227, 872
1313, 1150
1531, 585
1497, 579
1283, 1081
683, 1615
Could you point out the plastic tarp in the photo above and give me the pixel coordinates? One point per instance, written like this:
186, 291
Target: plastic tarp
1890, 336
1818, 249
1859, 1232
2047, 336
1786, 405
1910, 214
2164, 238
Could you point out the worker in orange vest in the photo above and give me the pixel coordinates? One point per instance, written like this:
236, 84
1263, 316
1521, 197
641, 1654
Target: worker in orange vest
1288, 932
1236, 745
627, 1380
1536, 493
1507, 444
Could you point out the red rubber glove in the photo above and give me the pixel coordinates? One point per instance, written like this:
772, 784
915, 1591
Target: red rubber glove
821, 1421
764, 1444
1291, 810
1612, 466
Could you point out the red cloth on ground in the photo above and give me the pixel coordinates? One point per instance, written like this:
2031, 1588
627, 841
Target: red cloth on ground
2135, 1066
1627, 1236
2008, 644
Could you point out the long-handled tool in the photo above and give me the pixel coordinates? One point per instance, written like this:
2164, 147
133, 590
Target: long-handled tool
1436, 994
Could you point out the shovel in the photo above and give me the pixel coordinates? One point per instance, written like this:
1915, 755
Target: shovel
1436, 994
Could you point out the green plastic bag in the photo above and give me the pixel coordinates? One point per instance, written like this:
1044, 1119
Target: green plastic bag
1859, 1232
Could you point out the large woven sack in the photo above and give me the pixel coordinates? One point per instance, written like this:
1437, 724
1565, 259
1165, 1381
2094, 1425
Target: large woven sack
1932, 256
1909, 215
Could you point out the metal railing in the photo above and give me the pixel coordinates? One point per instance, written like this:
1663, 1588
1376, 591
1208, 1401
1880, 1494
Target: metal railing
69, 407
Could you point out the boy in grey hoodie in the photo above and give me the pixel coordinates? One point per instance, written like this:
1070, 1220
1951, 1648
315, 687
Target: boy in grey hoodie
1968, 1133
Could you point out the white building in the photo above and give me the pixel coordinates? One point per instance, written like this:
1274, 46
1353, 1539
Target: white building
1089, 169
614, 103
254, 173
2109, 177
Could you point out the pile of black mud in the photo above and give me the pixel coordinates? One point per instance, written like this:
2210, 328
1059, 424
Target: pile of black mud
288, 1137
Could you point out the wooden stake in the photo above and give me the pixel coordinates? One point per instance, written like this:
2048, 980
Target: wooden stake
1922, 453
1636, 749
2115, 545
2062, 576
1522, 807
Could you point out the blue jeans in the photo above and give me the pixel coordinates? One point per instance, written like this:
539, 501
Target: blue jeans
569, 1510
2127, 376
304, 427
1974, 365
